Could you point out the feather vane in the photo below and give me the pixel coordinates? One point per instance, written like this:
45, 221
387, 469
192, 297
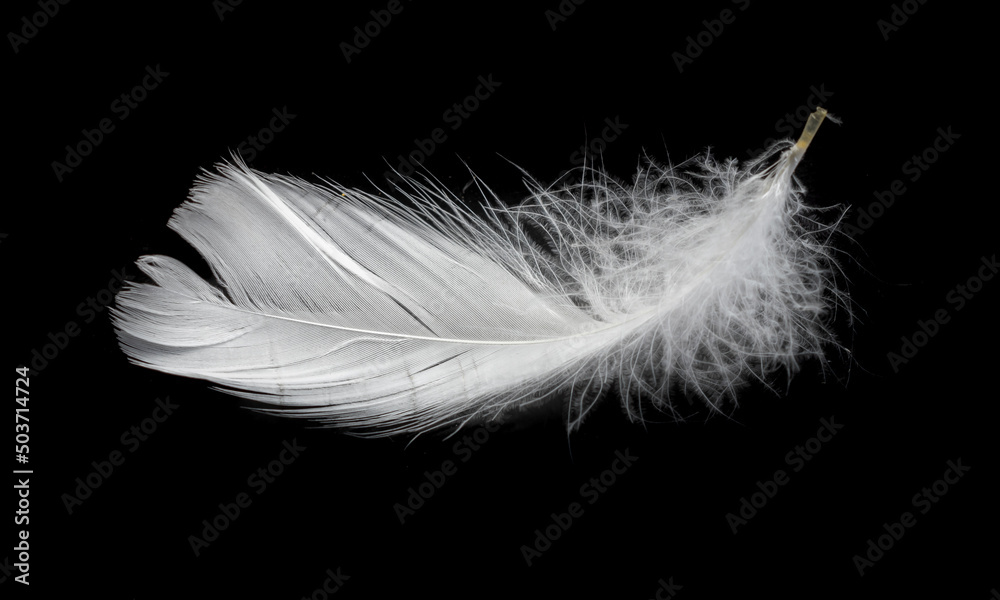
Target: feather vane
361, 312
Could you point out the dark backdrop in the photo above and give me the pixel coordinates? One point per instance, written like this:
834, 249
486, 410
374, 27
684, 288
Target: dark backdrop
916, 88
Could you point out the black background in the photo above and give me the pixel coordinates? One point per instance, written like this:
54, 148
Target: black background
665, 517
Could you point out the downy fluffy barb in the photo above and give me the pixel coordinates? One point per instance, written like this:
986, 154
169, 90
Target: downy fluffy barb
362, 312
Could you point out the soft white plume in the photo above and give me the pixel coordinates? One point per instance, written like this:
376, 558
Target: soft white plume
362, 312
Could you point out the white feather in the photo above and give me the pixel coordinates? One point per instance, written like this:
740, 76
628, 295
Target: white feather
361, 312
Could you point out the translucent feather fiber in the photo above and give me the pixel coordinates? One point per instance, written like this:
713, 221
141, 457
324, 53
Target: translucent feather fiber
384, 317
